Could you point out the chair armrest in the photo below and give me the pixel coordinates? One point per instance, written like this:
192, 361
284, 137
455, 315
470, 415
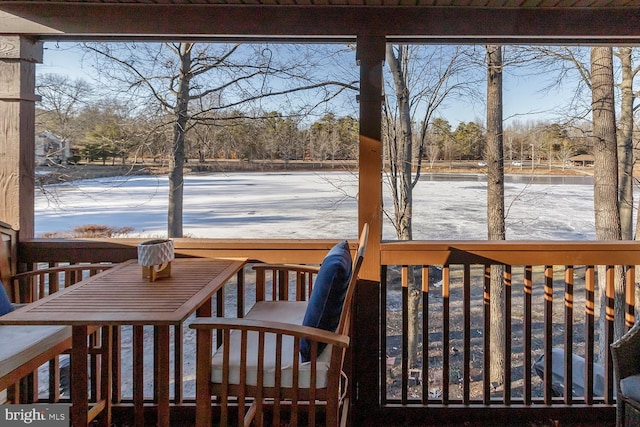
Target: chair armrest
290, 267
279, 328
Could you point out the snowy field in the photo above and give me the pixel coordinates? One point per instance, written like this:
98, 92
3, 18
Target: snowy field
316, 205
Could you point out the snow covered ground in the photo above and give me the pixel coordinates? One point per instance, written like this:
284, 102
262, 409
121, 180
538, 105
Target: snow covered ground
316, 205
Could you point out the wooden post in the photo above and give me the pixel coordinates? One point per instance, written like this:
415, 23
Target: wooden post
363, 357
370, 55
18, 58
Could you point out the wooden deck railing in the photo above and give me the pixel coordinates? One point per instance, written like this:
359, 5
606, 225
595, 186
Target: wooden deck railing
550, 291
551, 301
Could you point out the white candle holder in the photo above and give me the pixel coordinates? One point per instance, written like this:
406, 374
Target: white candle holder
155, 257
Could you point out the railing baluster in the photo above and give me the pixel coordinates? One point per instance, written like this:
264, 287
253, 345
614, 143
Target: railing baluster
610, 293
486, 342
283, 286
425, 334
300, 282
507, 335
548, 333
445, 333
589, 330
568, 334
527, 326
383, 332
240, 287
274, 280
405, 335
630, 297
42, 292
54, 285
466, 364
68, 280
260, 285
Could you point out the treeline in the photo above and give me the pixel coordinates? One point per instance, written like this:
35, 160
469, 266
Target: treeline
539, 141
109, 134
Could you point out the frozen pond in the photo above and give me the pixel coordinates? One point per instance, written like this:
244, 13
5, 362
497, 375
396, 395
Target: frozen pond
317, 205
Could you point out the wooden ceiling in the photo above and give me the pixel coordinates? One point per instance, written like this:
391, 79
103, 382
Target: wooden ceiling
442, 21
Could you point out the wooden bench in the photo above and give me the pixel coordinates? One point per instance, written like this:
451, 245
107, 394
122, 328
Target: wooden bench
25, 348
262, 358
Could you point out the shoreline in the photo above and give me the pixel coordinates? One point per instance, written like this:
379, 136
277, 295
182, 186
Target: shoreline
59, 174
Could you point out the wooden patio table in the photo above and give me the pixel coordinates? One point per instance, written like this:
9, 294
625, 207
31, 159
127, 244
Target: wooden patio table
121, 296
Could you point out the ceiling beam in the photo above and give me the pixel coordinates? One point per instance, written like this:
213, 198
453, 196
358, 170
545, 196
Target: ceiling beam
443, 24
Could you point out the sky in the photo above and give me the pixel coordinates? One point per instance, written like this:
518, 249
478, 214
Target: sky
524, 97
316, 205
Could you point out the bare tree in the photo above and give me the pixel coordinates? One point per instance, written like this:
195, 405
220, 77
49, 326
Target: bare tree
192, 80
625, 141
605, 193
597, 74
495, 205
62, 99
423, 78
438, 135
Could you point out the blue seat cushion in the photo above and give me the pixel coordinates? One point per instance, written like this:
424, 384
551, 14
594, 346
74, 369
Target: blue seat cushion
327, 296
5, 304
630, 387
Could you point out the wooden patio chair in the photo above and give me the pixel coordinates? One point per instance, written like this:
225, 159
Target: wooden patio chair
25, 348
270, 357
625, 354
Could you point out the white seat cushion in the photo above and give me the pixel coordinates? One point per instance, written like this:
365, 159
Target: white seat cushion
20, 344
278, 311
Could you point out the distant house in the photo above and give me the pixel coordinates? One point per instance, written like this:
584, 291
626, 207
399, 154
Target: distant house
51, 150
582, 160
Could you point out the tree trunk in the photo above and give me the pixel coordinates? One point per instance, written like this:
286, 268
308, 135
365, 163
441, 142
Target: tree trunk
625, 145
402, 187
605, 192
404, 146
495, 206
176, 159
